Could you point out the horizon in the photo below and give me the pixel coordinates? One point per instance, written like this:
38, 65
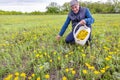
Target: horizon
31, 6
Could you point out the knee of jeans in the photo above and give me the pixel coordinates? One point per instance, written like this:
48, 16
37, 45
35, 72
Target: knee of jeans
67, 40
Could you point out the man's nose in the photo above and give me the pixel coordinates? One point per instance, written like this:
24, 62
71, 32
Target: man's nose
74, 9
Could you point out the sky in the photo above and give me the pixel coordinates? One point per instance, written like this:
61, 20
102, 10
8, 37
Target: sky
32, 5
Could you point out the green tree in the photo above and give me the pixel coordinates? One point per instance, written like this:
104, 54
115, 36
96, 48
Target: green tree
53, 7
116, 5
66, 7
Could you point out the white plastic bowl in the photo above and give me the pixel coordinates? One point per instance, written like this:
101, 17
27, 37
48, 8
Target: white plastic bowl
79, 41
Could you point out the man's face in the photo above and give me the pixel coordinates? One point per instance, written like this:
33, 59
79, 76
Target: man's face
75, 8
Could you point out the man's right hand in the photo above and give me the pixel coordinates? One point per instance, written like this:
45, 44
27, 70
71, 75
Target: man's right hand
58, 37
82, 22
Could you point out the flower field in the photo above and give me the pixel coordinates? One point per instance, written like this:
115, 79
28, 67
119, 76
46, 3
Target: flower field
29, 50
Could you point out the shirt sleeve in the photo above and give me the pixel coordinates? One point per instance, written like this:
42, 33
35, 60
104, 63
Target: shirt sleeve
89, 19
64, 27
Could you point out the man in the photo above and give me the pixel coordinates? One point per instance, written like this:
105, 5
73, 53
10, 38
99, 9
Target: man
77, 15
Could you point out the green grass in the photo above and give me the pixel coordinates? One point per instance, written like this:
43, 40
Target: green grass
28, 45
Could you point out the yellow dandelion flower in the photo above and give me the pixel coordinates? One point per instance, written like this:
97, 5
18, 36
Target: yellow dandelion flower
37, 55
47, 76
35, 37
102, 70
33, 75
91, 67
6, 78
73, 72
107, 67
48, 56
58, 58
110, 53
10, 76
66, 69
41, 67
54, 53
87, 64
51, 60
82, 50
106, 48
70, 53
16, 78
34, 51
83, 55
115, 52
45, 54
16, 74
84, 71
66, 56
41, 56
107, 59
96, 72
29, 78
23, 74
64, 78
38, 78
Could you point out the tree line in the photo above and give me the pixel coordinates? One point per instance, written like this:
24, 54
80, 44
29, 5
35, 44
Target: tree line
111, 6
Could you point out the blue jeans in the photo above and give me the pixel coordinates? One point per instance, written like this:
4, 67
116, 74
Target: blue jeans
70, 38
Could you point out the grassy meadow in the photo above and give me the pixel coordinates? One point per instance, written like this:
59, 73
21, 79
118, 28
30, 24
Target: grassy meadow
29, 50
